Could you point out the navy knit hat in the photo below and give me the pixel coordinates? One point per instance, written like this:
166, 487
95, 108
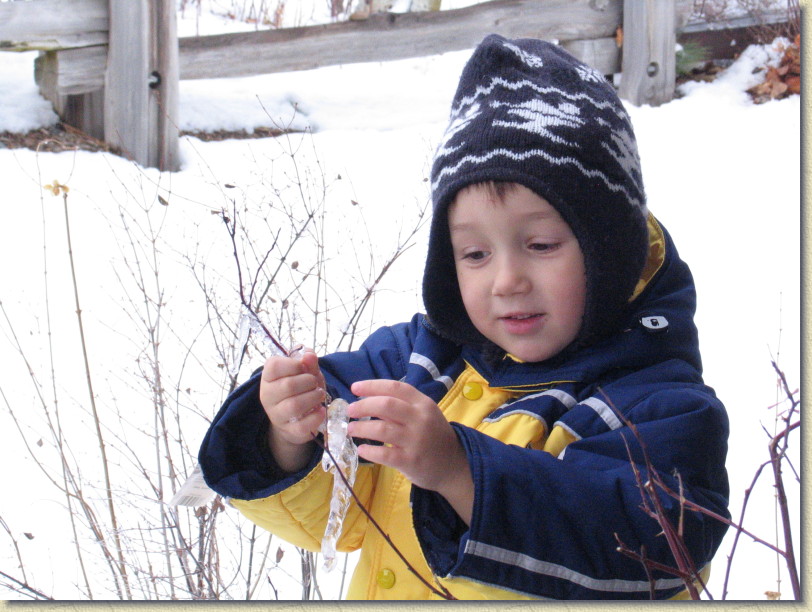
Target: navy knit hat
527, 112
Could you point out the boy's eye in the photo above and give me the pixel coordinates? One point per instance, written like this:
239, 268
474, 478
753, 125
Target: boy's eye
475, 255
542, 246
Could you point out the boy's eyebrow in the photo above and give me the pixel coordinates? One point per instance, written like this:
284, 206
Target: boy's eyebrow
539, 214
459, 226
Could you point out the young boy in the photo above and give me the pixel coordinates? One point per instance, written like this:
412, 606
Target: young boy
557, 310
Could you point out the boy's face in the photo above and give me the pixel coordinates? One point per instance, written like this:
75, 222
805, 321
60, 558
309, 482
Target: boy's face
520, 270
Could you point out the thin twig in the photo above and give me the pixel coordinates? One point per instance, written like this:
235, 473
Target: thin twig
105, 464
782, 440
674, 537
445, 594
652, 506
25, 588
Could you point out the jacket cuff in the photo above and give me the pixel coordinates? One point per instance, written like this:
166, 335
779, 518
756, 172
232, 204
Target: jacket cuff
234, 456
441, 532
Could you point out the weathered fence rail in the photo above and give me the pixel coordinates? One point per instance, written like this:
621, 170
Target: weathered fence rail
391, 36
111, 67
80, 68
53, 24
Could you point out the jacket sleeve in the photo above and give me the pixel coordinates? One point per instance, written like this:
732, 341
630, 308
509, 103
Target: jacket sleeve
385, 354
550, 526
234, 454
237, 463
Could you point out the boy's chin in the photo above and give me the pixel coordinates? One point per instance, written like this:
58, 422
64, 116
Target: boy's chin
531, 352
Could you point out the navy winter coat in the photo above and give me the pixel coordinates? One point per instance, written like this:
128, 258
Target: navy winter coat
551, 460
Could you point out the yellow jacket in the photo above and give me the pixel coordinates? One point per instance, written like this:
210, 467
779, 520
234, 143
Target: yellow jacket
299, 514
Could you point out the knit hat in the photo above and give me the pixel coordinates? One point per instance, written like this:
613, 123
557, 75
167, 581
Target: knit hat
527, 112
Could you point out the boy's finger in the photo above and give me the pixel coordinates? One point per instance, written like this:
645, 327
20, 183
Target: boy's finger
375, 454
316, 409
390, 388
381, 407
280, 367
303, 416
380, 430
293, 394
310, 362
299, 407
298, 384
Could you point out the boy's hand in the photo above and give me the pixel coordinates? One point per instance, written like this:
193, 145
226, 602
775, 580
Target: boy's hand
418, 440
291, 391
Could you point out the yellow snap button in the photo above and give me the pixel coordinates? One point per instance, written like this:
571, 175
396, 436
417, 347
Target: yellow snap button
472, 391
386, 578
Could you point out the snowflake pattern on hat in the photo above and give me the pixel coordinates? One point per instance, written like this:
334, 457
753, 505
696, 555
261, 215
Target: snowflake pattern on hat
527, 105
534, 61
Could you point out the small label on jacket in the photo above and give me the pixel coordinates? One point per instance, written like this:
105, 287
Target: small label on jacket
194, 492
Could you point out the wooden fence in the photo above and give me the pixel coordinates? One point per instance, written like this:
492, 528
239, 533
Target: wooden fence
111, 67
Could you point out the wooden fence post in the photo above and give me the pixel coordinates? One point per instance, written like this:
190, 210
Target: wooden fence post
166, 96
141, 82
649, 51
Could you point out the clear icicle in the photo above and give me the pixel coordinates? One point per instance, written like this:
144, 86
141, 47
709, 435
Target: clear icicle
259, 331
247, 325
343, 450
244, 330
334, 428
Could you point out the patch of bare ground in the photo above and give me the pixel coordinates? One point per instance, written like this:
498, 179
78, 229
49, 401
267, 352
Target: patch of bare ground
63, 137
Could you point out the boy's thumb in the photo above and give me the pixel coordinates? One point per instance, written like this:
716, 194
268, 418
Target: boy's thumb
310, 362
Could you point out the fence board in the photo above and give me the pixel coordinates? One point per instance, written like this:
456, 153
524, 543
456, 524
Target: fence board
380, 38
52, 24
164, 97
389, 36
649, 62
70, 71
126, 101
602, 54
141, 82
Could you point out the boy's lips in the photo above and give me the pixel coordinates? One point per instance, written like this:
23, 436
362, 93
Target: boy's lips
520, 315
522, 322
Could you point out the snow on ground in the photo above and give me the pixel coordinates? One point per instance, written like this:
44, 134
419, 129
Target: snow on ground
721, 173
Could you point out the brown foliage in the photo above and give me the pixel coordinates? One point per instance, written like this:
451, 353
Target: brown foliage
783, 80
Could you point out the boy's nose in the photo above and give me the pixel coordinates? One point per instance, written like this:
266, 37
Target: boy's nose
510, 278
